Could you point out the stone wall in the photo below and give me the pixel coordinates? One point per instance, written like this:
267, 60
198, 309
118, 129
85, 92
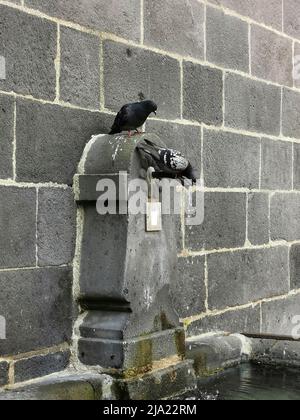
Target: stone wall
221, 72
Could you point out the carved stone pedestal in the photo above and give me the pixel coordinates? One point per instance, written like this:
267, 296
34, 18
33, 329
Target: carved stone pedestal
125, 273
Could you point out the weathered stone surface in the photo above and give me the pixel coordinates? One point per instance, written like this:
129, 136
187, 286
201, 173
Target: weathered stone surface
231, 160
285, 217
189, 288
224, 223
296, 166
250, 275
236, 321
291, 113
39, 366
6, 139
182, 137
29, 44
227, 40
80, 67
202, 94
69, 386
131, 74
162, 383
4, 373
17, 227
291, 16
56, 226
258, 10
121, 17
258, 218
271, 56
166, 29
281, 317
50, 147
295, 266
37, 306
278, 353
296, 72
252, 105
215, 353
277, 164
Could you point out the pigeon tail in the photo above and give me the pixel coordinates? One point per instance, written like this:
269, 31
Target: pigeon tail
114, 130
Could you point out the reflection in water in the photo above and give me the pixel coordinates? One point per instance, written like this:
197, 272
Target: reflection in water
253, 382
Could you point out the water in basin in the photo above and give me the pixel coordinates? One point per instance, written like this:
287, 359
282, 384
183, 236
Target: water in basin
252, 382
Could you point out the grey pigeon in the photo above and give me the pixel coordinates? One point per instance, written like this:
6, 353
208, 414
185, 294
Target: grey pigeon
133, 116
168, 162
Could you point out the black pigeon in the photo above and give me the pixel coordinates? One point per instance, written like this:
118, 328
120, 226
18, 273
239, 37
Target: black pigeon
167, 162
133, 116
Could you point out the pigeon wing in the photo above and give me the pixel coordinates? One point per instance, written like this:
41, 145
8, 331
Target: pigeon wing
178, 162
121, 120
150, 149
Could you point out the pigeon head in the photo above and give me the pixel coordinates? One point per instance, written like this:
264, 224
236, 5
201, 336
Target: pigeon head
191, 173
150, 106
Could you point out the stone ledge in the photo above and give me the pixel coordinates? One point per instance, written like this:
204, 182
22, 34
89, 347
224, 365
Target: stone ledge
164, 382
213, 353
68, 386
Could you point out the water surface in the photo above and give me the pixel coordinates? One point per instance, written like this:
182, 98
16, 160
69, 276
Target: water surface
253, 382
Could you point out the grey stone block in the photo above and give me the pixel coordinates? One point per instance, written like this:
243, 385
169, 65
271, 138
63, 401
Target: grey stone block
56, 226
184, 138
131, 74
38, 366
7, 133
285, 217
189, 288
258, 218
236, 321
295, 266
291, 18
17, 227
202, 94
50, 147
250, 275
231, 160
29, 46
296, 166
121, 17
37, 306
212, 354
258, 10
224, 223
291, 113
166, 29
278, 353
277, 164
227, 40
4, 367
281, 317
252, 105
160, 384
271, 56
69, 386
80, 68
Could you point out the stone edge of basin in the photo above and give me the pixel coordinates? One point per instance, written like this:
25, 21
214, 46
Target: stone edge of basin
207, 355
213, 353
163, 383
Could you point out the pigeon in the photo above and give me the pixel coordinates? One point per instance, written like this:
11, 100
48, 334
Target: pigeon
168, 163
133, 116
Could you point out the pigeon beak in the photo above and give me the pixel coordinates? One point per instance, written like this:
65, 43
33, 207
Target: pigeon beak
155, 112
